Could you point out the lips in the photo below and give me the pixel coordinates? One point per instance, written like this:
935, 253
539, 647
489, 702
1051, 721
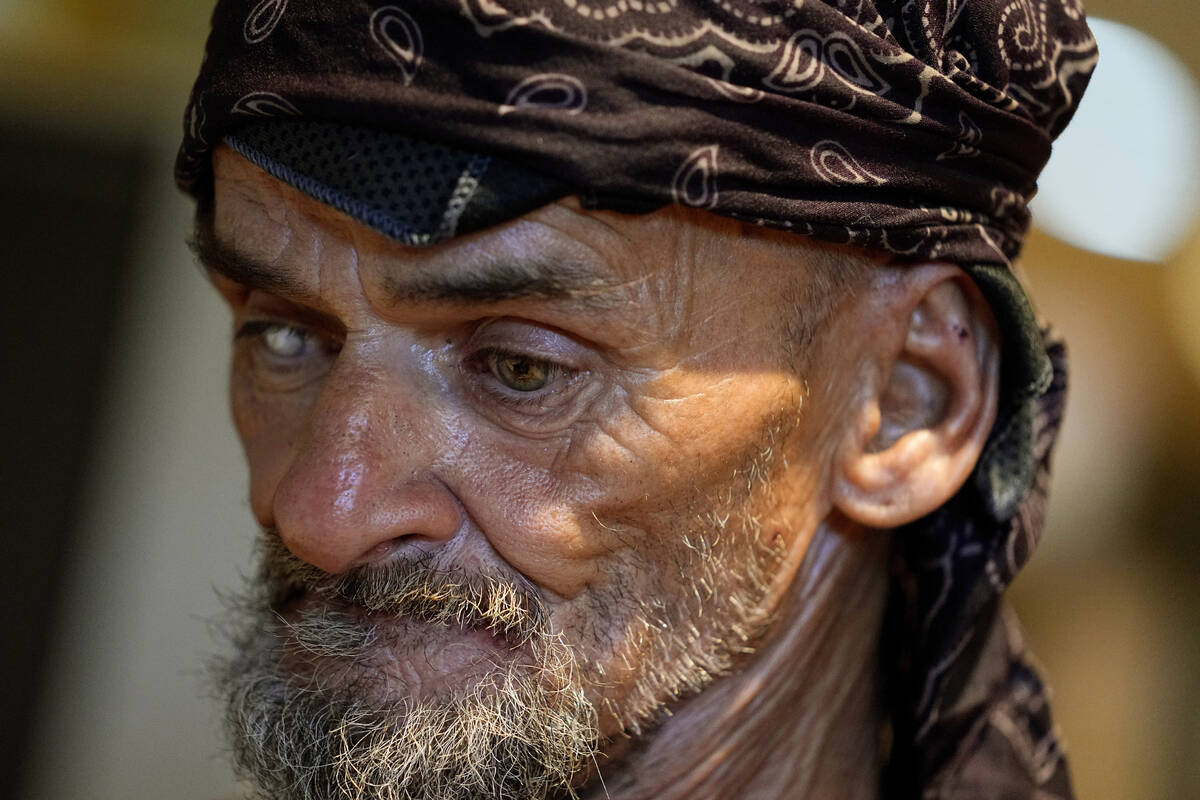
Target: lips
309, 613
383, 594
342, 647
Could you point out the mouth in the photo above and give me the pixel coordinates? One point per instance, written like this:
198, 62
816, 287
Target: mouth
409, 627
331, 642
296, 605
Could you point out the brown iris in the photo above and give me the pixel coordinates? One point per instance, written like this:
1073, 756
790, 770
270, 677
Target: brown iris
520, 373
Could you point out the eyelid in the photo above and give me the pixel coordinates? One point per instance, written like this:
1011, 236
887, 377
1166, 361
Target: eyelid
261, 304
257, 327
516, 337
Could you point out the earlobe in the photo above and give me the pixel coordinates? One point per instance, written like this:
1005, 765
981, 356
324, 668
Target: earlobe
924, 420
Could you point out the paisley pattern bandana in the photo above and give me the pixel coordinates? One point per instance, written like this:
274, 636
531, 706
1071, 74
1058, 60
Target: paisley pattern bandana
916, 127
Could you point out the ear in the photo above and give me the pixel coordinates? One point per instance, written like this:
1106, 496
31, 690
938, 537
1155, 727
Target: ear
928, 397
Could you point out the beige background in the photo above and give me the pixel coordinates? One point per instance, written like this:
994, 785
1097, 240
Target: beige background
1111, 601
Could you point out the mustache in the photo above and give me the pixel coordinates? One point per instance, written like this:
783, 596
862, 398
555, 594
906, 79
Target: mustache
417, 588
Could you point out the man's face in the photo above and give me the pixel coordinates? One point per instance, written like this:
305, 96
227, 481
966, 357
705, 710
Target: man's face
563, 458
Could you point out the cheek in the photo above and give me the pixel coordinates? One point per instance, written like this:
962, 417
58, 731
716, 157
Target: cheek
687, 438
534, 512
270, 427
610, 505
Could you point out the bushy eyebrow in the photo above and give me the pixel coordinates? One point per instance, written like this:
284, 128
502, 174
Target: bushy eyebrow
497, 282
216, 256
540, 278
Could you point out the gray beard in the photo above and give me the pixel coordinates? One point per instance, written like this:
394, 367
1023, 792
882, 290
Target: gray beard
316, 733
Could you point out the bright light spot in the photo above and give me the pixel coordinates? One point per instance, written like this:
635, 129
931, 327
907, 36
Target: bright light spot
1125, 177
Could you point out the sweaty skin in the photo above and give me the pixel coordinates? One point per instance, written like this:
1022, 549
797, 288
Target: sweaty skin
580, 436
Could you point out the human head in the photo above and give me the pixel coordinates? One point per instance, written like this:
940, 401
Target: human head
656, 508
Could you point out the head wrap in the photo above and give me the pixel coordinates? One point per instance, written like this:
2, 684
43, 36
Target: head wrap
916, 127
910, 125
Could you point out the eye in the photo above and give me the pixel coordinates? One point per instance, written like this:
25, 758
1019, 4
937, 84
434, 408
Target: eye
278, 355
521, 373
525, 377
279, 340
285, 341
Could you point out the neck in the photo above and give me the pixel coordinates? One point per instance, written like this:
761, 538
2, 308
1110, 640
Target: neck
801, 720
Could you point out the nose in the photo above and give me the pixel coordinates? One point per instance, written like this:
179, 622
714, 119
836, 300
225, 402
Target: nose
360, 480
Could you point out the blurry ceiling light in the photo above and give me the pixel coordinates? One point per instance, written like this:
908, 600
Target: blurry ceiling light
1124, 179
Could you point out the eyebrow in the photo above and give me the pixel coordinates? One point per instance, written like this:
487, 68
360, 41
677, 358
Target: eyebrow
539, 278
223, 259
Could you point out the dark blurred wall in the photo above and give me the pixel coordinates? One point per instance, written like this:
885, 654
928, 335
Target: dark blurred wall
66, 223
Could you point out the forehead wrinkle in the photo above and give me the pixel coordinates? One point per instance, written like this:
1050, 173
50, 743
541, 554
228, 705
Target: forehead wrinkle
636, 286
613, 249
279, 239
663, 285
556, 254
651, 250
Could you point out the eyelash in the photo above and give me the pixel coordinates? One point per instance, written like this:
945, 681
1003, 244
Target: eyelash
257, 327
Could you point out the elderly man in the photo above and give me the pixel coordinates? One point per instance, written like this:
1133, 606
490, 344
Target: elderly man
638, 399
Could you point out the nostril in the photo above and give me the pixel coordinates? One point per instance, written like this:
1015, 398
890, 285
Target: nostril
381, 551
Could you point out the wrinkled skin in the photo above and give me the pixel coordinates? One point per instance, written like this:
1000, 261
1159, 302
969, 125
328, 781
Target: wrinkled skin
651, 447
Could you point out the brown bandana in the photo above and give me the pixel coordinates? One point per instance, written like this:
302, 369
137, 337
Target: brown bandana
914, 126
917, 127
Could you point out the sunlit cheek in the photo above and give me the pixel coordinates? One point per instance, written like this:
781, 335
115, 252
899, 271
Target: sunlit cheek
565, 517
534, 525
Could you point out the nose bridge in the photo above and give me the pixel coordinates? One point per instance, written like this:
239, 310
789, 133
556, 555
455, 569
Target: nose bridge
361, 478
344, 445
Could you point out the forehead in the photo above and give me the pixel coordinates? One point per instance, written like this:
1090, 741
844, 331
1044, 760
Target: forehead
257, 213
273, 222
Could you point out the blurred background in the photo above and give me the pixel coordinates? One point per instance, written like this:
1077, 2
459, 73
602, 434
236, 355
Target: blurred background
125, 489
